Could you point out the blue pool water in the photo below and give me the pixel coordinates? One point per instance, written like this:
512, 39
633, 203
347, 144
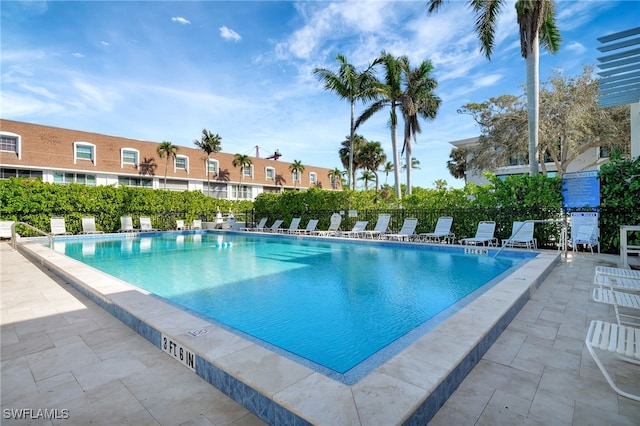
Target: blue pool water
332, 303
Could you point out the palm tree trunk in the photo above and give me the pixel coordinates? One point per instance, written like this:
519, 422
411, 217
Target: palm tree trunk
409, 165
533, 103
394, 146
166, 168
352, 174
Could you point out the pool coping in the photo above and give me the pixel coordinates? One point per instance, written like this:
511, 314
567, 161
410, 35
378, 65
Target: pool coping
409, 388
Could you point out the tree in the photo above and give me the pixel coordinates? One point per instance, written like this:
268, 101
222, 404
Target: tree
536, 20
366, 176
352, 85
419, 101
457, 164
389, 94
415, 164
209, 143
571, 122
349, 154
372, 156
242, 161
335, 176
386, 169
296, 168
166, 150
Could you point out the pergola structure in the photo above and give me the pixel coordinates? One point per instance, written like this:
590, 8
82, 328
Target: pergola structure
620, 77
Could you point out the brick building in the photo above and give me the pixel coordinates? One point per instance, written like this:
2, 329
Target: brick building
63, 156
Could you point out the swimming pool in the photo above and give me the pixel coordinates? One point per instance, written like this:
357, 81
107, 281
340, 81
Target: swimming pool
331, 303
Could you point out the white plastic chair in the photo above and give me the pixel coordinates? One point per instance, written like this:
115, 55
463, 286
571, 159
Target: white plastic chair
442, 231
586, 235
293, 226
196, 224
521, 236
89, 226
58, 227
381, 228
145, 224
334, 226
484, 234
126, 224
406, 232
357, 229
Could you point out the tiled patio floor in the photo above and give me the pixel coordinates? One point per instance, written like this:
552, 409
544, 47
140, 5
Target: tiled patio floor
61, 351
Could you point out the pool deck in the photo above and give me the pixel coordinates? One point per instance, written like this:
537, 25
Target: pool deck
60, 350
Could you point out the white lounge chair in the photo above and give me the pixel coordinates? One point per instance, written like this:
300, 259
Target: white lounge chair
311, 227
442, 231
196, 224
180, 225
260, 227
381, 228
521, 236
618, 272
58, 227
630, 302
334, 226
275, 226
126, 224
356, 231
585, 235
293, 226
145, 224
620, 340
407, 232
89, 226
617, 283
484, 234
5, 228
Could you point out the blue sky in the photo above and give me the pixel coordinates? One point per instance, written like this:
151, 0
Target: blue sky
162, 70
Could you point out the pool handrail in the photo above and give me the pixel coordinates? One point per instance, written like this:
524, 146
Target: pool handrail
33, 228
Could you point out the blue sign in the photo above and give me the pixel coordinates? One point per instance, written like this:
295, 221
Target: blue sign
581, 189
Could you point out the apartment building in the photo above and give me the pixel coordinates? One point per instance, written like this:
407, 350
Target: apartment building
63, 156
592, 159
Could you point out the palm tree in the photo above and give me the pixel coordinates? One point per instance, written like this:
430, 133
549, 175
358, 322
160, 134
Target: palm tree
366, 176
458, 164
335, 176
415, 164
167, 150
209, 143
242, 161
372, 157
418, 101
389, 93
296, 168
386, 169
537, 23
352, 85
349, 154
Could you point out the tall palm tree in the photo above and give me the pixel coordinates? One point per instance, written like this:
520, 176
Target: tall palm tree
242, 161
166, 150
352, 85
372, 157
415, 164
389, 94
537, 23
335, 176
349, 154
209, 143
386, 169
366, 176
296, 168
458, 164
419, 101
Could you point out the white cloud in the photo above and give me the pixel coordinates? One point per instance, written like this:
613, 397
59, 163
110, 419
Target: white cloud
228, 34
104, 43
77, 55
180, 20
575, 47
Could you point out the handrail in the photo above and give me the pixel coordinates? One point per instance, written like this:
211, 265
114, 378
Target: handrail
563, 236
13, 233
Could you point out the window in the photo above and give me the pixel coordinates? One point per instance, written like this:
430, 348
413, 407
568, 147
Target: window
247, 171
67, 178
605, 152
270, 173
216, 190
8, 173
182, 163
130, 156
313, 178
240, 192
131, 181
212, 166
296, 177
10, 142
84, 151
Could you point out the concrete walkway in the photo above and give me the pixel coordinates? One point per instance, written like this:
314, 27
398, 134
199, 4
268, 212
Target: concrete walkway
62, 353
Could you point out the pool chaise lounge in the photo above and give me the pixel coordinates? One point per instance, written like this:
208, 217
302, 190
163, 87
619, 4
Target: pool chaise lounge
618, 272
334, 227
356, 231
381, 228
58, 226
521, 236
623, 341
441, 232
311, 227
484, 234
89, 226
293, 227
407, 232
